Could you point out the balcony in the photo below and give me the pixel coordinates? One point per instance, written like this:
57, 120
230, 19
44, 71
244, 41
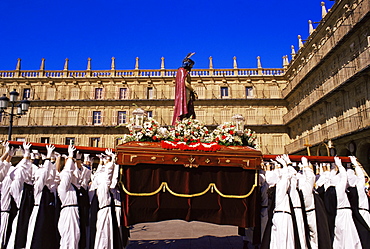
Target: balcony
340, 128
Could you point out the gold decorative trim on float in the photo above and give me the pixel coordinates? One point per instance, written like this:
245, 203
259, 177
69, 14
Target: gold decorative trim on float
212, 186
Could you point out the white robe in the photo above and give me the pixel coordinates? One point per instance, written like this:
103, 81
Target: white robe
41, 175
323, 179
363, 203
117, 200
69, 220
104, 225
305, 184
345, 233
282, 234
21, 174
5, 206
85, 177
297, 206
4, 168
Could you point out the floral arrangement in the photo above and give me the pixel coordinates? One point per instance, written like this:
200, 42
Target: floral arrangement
227, 134
249, 138
150, 131
189, 131
189, 134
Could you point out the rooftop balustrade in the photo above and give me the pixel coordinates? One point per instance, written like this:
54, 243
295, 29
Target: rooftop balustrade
138, 73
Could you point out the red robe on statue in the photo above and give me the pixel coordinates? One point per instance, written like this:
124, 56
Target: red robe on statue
180, 95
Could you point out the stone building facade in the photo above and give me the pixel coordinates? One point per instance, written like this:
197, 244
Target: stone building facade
318, 99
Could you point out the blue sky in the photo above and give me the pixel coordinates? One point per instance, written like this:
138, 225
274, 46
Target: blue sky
78, 29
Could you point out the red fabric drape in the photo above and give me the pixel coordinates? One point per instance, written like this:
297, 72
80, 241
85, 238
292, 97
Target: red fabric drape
210, 207
180, 95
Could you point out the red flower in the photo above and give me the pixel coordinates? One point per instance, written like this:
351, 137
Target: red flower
177, 134
231, 132
206, 132
154, 137
223, 137
150, 128
217, 139
176, 139
185, 139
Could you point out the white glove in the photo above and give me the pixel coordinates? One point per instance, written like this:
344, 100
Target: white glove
281, 160
50, 149
286, 158
304, 161
71, 149
354, 160
337, 161
12, 151
7, 147
110, 153
26, 149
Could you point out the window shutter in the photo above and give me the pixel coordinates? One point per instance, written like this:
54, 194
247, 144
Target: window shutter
89, 117
118, 92
114, 118
102, 117
103, 93
32, 95
128, 93
75, 93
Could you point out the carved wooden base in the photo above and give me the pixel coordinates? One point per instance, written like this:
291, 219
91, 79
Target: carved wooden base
133, 153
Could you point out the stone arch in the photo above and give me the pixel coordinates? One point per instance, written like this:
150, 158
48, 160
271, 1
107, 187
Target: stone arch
363, 155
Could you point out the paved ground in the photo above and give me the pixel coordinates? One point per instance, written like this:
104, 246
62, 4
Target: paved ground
178, 234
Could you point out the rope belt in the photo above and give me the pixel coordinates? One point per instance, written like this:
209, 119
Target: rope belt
310, 210
285, 212
8, 211
72, 205
364, 209
105, 207
344, 208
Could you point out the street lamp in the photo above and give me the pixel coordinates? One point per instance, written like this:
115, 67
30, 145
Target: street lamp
139, 115
22, 108
238, 120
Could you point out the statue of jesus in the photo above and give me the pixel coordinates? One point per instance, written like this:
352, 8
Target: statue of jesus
184, 92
